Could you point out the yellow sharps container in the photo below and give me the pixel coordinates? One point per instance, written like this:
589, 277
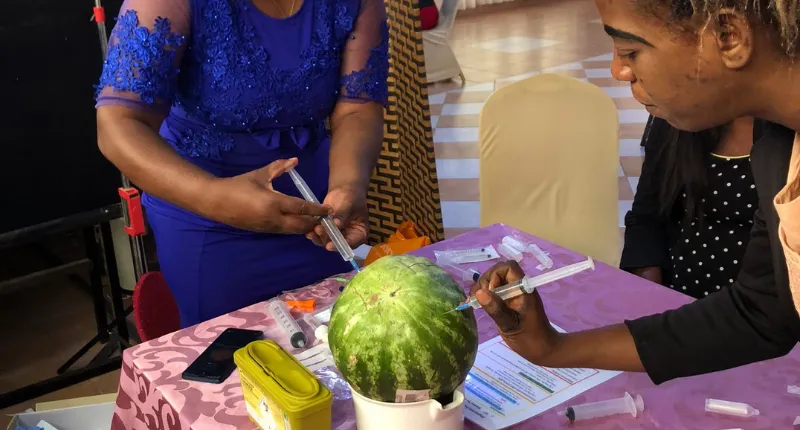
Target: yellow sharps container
281, 393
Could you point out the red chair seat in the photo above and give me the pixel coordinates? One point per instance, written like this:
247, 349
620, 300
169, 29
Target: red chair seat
154, 308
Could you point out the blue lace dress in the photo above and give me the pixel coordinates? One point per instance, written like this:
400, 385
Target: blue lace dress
240, 89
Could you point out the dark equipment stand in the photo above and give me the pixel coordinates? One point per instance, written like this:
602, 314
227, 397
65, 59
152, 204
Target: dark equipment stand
135, 228
114, 335
99, 248
115, 341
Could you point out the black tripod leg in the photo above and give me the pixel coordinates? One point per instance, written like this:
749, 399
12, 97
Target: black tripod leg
113, 348
113, 281
81, 352
96, 281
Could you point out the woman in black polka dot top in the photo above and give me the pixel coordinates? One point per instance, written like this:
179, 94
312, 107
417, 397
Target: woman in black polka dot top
694, 207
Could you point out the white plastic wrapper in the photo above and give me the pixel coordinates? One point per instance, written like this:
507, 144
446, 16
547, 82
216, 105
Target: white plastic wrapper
331, 379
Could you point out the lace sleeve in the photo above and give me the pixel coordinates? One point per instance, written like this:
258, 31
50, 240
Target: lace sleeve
365, 63
144, 54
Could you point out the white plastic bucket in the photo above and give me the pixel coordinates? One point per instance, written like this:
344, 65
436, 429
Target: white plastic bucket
424, 415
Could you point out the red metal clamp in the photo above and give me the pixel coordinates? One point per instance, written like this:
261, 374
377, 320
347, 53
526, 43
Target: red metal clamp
133, 204
99, 14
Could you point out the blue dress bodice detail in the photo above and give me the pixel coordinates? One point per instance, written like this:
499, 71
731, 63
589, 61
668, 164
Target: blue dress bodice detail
243, 75
237, 84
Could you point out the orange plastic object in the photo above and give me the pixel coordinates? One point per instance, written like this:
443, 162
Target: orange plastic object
133, 204
404, 240
301, 305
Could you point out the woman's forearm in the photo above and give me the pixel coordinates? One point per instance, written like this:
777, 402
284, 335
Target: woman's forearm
130, 142
609, 348
356, 142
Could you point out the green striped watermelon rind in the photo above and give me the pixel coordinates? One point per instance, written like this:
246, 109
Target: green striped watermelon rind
393, 328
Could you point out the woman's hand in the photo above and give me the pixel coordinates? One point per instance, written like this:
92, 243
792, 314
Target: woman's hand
521, 320
350, 214
526, 329
249, 202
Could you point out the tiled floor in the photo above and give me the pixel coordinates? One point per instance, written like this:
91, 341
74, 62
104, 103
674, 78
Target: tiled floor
495, 46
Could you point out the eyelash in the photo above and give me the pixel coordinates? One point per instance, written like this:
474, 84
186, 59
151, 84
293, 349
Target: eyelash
630, 56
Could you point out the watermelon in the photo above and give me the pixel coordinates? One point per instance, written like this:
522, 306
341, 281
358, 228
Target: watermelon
393, 330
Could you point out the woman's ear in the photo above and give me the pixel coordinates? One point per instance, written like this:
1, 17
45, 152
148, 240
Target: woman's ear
734, 37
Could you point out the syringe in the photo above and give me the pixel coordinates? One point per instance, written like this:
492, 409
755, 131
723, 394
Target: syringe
534, 249
466, 275
622, 405
280, 313
330, 227
528, 284
730, 408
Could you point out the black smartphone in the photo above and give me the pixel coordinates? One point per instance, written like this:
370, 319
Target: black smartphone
215, 364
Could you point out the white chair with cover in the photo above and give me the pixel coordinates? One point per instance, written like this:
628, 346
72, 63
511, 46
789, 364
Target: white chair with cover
549, 159
440, 60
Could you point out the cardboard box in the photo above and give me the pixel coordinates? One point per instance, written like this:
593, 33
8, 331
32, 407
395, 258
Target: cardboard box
85, 413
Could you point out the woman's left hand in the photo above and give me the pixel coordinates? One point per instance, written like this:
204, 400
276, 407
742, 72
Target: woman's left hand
350, 214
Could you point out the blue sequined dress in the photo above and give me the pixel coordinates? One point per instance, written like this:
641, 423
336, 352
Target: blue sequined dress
240, 89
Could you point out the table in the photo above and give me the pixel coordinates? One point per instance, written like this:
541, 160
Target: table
152, 395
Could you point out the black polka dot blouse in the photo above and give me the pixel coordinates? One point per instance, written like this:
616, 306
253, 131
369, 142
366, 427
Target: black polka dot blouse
708, 252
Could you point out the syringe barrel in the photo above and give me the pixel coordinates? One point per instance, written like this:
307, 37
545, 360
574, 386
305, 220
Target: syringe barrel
338, 240
624, 405
599, 409
730, 408
280, 314
558, 274
512, 290
330, 227
301, 185
466, 275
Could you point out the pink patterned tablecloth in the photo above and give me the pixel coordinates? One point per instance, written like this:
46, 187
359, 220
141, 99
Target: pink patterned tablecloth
152, 395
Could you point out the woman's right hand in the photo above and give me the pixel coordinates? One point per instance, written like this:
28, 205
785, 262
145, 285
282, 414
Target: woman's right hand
521, 320
249, 202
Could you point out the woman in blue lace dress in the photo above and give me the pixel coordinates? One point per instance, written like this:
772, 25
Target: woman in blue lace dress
204, 104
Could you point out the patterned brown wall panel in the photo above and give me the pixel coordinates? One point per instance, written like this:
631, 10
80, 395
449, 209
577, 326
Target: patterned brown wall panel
405, 186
